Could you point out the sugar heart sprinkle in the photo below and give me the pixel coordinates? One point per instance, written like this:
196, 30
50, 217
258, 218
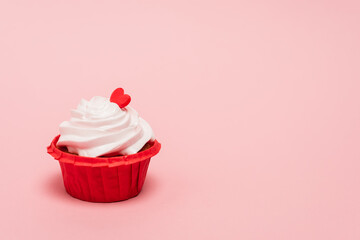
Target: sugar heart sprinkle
121, 99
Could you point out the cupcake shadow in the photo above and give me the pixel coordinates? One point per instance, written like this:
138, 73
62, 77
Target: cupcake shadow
55, 187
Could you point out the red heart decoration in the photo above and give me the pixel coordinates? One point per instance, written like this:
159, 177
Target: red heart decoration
120, 98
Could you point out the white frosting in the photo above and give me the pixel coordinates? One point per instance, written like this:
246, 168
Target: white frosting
100, 127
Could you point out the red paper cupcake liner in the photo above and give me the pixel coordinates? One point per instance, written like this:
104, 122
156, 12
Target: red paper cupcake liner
103, 179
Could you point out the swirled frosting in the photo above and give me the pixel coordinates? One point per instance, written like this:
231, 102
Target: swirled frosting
99, 127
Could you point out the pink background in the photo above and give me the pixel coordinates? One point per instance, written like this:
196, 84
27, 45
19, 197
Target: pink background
256, 103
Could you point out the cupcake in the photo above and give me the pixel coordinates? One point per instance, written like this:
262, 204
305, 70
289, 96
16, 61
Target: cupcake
104, 150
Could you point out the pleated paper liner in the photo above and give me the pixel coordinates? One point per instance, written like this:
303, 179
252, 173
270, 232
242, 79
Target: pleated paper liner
103, 179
